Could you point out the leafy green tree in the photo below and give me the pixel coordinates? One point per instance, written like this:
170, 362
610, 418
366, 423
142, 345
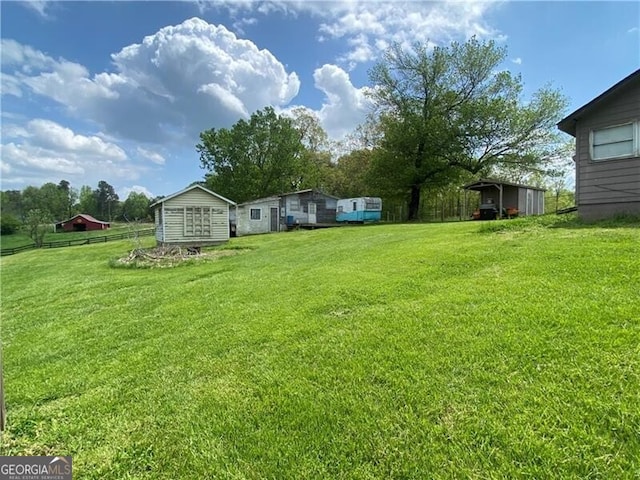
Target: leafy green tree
136, 207
11, 203
31, 199
252, 159
87, 202
9, 224
38, 222
445, 109
54, 200
350, 177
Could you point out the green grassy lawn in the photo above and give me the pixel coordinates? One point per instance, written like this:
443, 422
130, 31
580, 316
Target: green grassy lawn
21, 238
463, 350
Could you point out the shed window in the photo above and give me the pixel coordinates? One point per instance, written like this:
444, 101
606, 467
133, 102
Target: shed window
294, 205
614, 142
197, 221
256, 214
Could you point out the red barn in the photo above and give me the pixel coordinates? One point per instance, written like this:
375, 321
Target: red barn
81, 223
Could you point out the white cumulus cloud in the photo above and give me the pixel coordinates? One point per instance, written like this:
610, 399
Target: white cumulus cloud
42, 151
174, 83
345, 106
125, 191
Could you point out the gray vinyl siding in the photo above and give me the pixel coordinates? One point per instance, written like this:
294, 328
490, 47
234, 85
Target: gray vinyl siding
325, 207
174, 218
616, 181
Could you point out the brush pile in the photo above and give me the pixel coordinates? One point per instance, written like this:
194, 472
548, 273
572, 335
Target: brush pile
165, 256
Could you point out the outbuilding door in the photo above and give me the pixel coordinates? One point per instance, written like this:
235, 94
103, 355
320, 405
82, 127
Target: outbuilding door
312, 213
274, 220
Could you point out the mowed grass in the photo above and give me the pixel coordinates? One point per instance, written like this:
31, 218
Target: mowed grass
392, 351
22, 238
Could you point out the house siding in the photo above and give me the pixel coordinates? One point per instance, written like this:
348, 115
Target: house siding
247, 226
607, 187
325, 207
174, 219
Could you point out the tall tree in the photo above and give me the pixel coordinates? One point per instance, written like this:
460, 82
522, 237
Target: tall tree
445, 109
106, 199
315, 158
252, 159
70, 196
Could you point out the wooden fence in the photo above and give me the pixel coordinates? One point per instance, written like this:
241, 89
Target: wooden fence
79, 241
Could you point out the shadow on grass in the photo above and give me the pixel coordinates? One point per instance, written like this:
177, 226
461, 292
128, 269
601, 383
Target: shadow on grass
567, 221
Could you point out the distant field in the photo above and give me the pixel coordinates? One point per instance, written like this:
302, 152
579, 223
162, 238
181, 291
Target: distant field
20, 239
465, 350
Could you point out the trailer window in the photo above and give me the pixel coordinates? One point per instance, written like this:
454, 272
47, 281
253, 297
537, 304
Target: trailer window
372, 205
355, 206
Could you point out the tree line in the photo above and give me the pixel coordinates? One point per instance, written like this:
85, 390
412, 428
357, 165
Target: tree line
441, 117
53, 202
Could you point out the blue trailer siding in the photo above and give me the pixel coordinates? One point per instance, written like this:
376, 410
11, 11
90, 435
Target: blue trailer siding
372, 215
349, 216
359, 216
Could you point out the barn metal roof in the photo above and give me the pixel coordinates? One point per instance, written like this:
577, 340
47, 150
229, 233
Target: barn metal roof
86, 217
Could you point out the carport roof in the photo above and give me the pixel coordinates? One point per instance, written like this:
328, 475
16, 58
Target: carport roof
485, 183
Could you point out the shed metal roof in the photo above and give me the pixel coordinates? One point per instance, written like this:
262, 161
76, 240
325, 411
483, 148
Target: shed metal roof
192, 187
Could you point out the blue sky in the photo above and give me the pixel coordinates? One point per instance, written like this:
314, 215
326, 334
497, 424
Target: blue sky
119, 91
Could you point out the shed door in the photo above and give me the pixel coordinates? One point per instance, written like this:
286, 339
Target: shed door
274, 220
312, 213
529, 202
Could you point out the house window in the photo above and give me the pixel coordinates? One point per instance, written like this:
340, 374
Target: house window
614, 142
294, 205
197, 221
256, 214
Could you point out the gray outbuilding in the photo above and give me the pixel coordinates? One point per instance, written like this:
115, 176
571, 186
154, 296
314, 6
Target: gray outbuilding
193, 217
258, 216
506, 199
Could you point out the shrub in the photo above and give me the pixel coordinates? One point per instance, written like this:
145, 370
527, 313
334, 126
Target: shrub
9, 224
